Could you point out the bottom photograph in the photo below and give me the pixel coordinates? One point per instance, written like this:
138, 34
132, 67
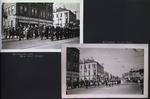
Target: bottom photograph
105, 71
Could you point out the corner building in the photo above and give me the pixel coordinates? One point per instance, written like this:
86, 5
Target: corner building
27, 14
91, 70
64, 18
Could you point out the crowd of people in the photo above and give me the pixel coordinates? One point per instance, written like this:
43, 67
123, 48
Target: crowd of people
89, 83
43, 31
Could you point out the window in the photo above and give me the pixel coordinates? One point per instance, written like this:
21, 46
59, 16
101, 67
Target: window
66, 15
41, 13
44, 14
25, 9
50, 15
11, 23
60, 14
49, 5
89, 66
12, 9
35, 11
94, 72
21, 9
8, 11
93, 65
57, 15
85, 69
32, 11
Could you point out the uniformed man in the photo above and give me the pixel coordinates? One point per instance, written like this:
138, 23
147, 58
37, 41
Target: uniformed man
20, 32
46, 32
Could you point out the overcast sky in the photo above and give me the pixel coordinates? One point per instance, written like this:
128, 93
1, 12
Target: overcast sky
116, 61
71, 6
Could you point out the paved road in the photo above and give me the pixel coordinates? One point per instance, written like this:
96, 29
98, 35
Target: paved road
36, 43
117, 89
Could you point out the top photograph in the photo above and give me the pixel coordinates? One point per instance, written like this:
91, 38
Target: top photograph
41, 25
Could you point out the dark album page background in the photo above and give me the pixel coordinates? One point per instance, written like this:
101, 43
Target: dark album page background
31, 75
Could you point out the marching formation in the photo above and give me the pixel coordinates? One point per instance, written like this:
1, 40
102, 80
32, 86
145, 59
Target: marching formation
88, 83
30, 32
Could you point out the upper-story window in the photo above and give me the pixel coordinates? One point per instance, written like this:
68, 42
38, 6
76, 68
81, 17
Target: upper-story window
93, 65
94, 72
60, 14
35, 11
48, 14
41, 13
21, 9
32, 11
12, 9
57, 15
44, 14
50, 5
25, 9
89, 66
66, 15
8, 11
89, 72
85, 69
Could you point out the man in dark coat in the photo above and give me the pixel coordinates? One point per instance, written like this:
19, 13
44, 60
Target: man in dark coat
57, 32
20, 28
52, 33
46, 32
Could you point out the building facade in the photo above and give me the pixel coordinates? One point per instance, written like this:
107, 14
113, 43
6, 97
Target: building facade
134, 75
72, 66
64, 18
27, 14
90, 70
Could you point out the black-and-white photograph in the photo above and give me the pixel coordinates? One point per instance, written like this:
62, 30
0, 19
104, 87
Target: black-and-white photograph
105, 71
39, 25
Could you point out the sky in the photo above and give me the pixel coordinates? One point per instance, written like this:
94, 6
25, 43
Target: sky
116, 61
71, 6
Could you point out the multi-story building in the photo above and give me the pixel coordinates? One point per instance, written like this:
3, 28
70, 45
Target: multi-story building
72, 65
134, 74
106, 75
91, 70
27, 13
64, 18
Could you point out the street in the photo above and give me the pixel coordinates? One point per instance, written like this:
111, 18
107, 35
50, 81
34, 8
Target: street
36, 43
116, 89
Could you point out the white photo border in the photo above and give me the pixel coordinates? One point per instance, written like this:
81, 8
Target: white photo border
43, 1
63, 70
